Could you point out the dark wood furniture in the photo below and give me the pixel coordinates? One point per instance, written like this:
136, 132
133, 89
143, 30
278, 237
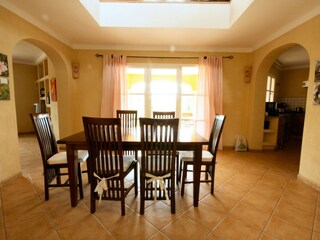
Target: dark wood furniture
129, 118
108, 166
157, 163
54, 161
164, 114
187, 140
208, 157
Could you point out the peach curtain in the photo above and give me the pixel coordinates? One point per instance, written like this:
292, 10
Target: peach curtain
113, 84
209, 99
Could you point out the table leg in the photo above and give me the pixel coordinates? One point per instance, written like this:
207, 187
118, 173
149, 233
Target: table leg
72, 155
196, 174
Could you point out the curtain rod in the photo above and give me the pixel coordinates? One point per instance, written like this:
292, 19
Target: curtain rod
229, 57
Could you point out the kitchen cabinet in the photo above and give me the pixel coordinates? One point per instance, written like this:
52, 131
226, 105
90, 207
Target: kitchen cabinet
270, 135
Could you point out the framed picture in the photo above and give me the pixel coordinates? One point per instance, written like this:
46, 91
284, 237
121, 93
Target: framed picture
4, 80
53, 87
317, 72
4, 89
316, 94
4, 70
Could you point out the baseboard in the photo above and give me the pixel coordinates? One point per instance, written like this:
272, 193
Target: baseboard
309, 182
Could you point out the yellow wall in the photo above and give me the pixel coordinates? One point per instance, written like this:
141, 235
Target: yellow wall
291, 82
235, 90
243, 102
308, 36
61, 55
26, 92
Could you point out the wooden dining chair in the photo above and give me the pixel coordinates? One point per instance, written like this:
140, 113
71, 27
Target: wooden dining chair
163, 114
170, 114
208, 157
108, 166
157, 163
129, 118
54, 161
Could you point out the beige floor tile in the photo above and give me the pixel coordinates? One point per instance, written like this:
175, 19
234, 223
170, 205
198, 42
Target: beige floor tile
250, 214
159, 215
159, 236
221, 200
231, 228
30, 229
50, 235
205, 215
249, 187
294, 215
87, 228
282, 229
316, 236
185, 228
212, 236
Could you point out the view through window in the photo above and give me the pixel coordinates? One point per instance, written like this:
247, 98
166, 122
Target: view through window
270, 89
163, 88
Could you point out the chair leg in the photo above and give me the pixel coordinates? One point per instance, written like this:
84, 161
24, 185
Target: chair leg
46, 188
135, 172
173, 197
184, 176
80, 181
142, 192
92, 199
213, 167
178, 169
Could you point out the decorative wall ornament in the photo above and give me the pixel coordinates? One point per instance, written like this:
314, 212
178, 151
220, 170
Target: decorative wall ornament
4, 78
75, 70
316, 91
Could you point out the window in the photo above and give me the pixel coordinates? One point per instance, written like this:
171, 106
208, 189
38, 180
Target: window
270, 89
163, 88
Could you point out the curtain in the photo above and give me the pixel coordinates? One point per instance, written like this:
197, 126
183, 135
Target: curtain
209, 96
113, 84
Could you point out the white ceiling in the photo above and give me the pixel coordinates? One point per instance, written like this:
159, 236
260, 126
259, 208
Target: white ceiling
68, 21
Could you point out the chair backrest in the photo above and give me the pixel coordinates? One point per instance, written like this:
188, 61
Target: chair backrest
129, 118
103, 136
216, 134
158, 145
164, 114
45, 135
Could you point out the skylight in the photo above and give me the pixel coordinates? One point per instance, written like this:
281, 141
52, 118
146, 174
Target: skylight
205, 15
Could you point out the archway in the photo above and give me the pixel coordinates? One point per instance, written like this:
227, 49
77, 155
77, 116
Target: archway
62, 72
258, 107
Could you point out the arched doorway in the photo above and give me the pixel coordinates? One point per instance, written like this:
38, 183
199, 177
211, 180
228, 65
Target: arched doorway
35, 65
261, 75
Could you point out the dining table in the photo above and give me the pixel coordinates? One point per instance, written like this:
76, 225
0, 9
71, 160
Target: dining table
188, 140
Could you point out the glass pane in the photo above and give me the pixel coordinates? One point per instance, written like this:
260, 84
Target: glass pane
136, 102
189, 80
135, 80
163, 102
268, 83
272, 84
163, 81
271, 96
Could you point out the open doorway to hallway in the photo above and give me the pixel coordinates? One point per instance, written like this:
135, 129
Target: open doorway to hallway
285, 110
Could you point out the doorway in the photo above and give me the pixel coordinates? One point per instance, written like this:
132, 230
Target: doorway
290, 71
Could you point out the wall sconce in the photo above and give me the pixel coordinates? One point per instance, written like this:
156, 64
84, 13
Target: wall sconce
75, 70
247, 74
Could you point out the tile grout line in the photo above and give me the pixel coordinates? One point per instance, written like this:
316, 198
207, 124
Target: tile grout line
228, 213
44, 208
274, 209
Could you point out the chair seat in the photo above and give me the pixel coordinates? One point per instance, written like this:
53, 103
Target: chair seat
61, 157
187, 156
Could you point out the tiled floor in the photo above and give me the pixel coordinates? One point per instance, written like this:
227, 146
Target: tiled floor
257, 196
